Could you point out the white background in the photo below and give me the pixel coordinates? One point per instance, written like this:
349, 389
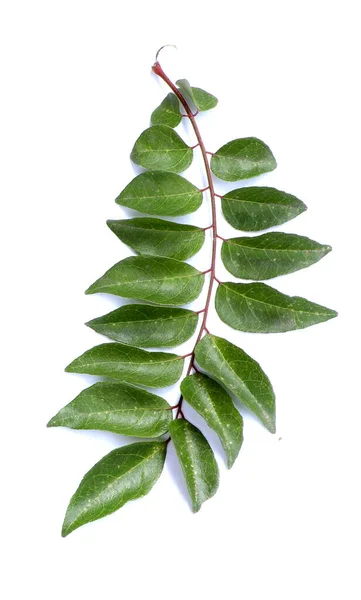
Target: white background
77, 91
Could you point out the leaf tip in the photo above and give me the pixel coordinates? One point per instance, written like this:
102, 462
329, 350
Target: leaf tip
52, 422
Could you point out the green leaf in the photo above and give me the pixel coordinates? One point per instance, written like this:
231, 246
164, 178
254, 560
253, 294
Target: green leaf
161, 193
160, 147
270, 255
197, 461
132, 365
116, 407
147, 326
202, 100
156, 237
213, 403
259, 308
168, 112
124, 474
157, 280
242, 375
257, 208
242, 158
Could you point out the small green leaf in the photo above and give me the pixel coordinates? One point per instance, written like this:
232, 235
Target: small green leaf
168, 112
259, 308
161, 193
202, 100
197, 461
241, 159
213, 403
257, 208
132, 365
116, 407
242, 375
160, 147
124, 474
157, 280
156, 237
147, 326
270, 255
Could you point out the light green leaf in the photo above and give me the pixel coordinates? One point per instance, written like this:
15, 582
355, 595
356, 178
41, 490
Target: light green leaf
157, 280
116, 407
242, 375
257, 208
132, 365
124, 474
270, 255
161, 193
168, 112
147, 326
197, 461
242, 158
213, 403
259, 308
199, 98
156, 237
160, 147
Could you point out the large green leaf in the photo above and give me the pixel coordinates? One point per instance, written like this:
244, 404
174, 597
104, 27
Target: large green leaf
161, 193
132, 365
156, 237
124, 474
116, 407
270, 255
242, 375
241, 159
257, 208
202, 100
259, 308
157, 280
147, 326
167, 113
213, 403
197, 461
160, 147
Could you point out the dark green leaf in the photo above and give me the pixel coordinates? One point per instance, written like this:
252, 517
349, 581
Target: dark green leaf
160, 147
156, 237
213, 403
124, 474
116, 407
197, 461
259, 308
147, 326
199, 98
157, 280
132, 365
270, 255
168, 112
242, 375
161, 193
241, 159
257, 208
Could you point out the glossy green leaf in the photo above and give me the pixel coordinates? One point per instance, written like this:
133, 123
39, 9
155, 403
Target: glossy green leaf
158, 280
132, 365
147, 326
124, 474
257, 208
197, 460
270, 255
116, 407
160, 147
213, 403
241, 159
239, 373
161, 193
259, 308
201, 99
168, 112
156, 237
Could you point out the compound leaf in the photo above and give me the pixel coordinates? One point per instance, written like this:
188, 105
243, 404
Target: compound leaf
167, 113
160, 147
242, 158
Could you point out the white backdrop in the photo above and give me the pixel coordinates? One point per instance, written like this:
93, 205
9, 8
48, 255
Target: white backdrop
77, 91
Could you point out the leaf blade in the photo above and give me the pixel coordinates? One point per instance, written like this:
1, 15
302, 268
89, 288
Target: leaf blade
241, 159
160, 147
201, 99
167, 113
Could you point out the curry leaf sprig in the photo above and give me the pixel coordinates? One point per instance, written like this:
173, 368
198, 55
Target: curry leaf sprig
162, 283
